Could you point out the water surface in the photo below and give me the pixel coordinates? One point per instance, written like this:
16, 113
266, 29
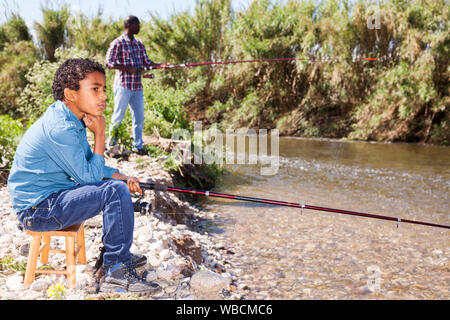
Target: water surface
289, 253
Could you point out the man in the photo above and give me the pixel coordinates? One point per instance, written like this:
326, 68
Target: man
128, 56
57, 181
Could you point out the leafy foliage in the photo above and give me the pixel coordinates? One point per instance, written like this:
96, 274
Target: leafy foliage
37, 96
53, 32
11, 132
402, 97
93, 34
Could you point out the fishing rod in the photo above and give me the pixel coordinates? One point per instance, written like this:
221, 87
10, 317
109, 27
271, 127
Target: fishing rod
196, 64
160, 187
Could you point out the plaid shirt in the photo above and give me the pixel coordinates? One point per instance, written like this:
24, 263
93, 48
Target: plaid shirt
123, 51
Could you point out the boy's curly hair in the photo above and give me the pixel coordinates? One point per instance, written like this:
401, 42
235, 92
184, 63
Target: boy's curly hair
70, 73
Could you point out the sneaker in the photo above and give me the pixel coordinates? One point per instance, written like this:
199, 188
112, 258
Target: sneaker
141, 152
123, 278
138, 261
112, 151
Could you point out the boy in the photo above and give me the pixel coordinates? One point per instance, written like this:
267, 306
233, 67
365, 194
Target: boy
57, 181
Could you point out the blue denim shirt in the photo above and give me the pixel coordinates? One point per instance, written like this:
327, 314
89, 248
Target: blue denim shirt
53, 155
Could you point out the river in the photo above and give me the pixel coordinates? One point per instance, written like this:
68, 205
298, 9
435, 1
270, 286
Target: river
290, 253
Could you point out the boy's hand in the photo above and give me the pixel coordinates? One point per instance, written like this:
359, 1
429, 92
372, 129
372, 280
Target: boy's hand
96, 124
133, 185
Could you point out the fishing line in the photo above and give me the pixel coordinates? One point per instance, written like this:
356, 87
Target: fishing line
164, 188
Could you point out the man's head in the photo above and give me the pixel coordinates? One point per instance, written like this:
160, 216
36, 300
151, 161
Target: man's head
132, 25
81, 85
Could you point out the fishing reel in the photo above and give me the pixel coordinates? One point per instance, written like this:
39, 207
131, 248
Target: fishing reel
142, 207
149, 75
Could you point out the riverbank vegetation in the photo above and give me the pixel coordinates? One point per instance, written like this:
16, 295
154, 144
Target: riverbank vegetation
404, 96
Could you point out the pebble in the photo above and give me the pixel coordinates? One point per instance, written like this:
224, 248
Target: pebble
153, 261
151, 276
208, 284
39, 285
164, 274
165, 254
170, 289
15, 283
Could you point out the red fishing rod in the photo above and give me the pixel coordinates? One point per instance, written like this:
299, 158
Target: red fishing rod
160, 187
196, 64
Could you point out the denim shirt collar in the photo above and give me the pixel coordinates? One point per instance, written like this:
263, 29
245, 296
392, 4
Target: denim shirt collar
70, 115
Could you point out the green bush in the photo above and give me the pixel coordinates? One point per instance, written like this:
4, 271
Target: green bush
17, 55
11, 132
15, 60
164, 109
37, 95
93, 34
402, 97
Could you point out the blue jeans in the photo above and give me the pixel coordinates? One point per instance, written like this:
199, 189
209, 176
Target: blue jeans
123, 97
67, 207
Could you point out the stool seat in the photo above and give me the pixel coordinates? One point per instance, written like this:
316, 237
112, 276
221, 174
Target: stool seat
75, 248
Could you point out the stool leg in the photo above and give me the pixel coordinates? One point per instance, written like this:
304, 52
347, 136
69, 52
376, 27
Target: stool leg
32, 259
46, 249
70, 262
82, 246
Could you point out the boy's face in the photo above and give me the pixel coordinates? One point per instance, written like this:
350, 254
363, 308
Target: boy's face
90, 98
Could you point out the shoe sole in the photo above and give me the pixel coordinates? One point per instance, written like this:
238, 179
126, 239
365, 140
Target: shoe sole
120, 289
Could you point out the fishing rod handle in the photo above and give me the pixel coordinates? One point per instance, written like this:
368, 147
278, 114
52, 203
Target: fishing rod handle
170, 66
153, 186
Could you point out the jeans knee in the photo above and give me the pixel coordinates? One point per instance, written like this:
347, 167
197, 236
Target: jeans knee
117, 192
119, 185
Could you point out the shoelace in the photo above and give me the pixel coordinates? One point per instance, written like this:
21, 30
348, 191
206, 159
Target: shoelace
132, 274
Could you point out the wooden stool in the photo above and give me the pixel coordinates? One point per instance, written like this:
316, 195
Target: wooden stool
72, 234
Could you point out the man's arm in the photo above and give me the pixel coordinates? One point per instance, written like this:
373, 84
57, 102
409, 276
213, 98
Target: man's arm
126, 69
112, 58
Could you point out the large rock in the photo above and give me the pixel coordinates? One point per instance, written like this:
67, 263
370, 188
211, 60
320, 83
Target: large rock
40, 285
208, 285
187, 247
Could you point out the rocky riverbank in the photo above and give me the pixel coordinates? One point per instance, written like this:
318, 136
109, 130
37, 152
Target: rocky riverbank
181, 257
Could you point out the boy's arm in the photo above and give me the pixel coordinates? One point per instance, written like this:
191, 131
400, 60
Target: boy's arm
108, 172
132, 182
67, 152
97, 125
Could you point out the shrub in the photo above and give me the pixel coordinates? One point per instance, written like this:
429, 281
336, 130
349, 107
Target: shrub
37, 95
11, 132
